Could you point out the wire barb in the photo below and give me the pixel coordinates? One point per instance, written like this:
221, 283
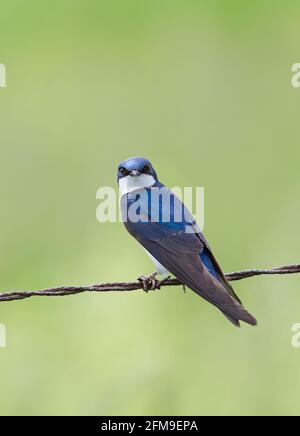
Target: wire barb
134, 286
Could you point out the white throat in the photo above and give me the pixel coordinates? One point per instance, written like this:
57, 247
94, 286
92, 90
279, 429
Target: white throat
130, 183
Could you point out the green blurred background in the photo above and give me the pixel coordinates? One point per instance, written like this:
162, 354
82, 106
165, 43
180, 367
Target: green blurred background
203, 89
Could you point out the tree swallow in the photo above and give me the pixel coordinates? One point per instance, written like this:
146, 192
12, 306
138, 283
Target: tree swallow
161, 223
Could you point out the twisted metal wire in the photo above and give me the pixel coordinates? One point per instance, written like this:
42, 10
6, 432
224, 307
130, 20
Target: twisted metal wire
136, 285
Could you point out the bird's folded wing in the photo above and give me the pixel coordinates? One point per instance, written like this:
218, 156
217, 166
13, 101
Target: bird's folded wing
179, 254
177, 246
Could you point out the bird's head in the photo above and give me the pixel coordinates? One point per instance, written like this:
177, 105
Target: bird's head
135, 173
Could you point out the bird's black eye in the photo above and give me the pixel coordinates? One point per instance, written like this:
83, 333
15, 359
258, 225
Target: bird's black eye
146, 168
122, 170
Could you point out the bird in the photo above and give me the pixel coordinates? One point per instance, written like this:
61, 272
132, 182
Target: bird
161, 223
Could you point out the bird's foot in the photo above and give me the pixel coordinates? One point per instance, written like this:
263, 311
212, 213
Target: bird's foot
150, 283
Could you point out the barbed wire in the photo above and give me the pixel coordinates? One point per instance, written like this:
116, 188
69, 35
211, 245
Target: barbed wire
136, 285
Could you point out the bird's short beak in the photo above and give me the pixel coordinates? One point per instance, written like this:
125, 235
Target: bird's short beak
135, 173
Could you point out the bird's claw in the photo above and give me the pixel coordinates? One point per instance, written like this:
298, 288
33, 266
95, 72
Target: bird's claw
150, 283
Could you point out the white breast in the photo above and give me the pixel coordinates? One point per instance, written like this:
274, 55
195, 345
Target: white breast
161, 270
128, 184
